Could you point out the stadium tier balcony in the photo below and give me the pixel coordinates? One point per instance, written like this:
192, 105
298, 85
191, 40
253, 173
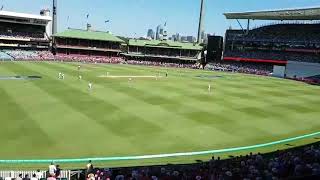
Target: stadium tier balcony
286, 33
286, 42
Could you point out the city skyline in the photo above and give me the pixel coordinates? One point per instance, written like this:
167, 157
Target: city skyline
136, 16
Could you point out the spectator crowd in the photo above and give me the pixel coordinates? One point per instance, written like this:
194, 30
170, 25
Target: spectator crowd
89, 59
163, 64
248, 68
22, 35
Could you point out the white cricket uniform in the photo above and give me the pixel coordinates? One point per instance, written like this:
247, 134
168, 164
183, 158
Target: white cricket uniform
52, 169
90, 86
209, 88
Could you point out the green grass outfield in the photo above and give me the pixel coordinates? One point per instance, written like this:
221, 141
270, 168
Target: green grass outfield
52, 119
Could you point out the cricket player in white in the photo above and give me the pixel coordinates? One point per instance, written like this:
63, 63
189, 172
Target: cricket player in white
60, 75
209, 88
80, 77
130, 82
90, 86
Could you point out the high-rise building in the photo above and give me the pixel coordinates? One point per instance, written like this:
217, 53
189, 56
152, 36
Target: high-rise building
176, 37
184, 39
173, 37
191, 39
159, 32
165, 33
150, 34
204, 37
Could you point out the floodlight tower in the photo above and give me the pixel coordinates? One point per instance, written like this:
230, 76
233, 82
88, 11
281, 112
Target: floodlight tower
200, 28
54, 18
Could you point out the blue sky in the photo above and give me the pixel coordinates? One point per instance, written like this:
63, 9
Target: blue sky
130, 17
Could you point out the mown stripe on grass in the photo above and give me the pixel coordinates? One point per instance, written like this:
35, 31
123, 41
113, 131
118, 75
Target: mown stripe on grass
18, 129
87, 104
51, 112
195, 113
144, 111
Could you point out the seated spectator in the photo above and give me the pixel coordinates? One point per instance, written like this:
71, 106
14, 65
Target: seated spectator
19, 177
39, 174
34, 177
58, 171
26, 177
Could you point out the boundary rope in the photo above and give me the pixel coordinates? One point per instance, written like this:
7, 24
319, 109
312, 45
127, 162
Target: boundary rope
102, 159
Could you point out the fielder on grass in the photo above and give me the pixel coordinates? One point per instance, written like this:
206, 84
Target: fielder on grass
90, 86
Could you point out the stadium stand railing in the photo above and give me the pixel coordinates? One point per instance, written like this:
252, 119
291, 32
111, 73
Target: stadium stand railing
8, 175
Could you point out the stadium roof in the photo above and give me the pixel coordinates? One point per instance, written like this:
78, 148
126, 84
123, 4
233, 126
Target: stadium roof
284, 14
164, 44
24, 16
89, 35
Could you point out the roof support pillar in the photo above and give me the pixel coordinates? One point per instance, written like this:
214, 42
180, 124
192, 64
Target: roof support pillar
240, 25
248, 26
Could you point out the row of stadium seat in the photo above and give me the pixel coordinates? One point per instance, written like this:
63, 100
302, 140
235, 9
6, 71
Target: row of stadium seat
5, 56
258, 69
163, 64
29, 55
90, 59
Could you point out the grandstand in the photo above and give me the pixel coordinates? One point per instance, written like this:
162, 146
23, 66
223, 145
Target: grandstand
276, 44
25, 36
162, 51
87, 42
24, 31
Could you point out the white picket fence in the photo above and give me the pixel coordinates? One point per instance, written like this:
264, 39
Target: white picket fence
14, 174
